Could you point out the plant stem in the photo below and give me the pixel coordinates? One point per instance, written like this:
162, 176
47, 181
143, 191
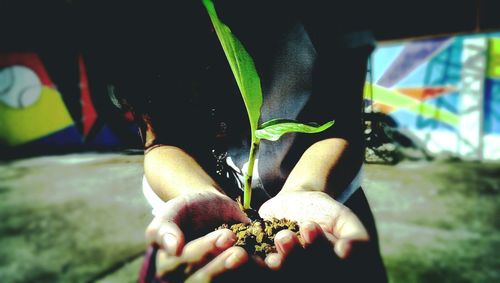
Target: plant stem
247, 189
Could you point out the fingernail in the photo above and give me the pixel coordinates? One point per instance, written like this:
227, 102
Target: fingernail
342, 248
284, 238
232, 261
273, 262
170, 243
285, 241
309, 232
223, 241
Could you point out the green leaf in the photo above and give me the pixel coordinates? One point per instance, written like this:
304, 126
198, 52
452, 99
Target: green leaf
241, 64
272, 130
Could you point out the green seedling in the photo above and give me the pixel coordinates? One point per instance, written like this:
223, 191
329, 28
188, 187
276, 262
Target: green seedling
248, 81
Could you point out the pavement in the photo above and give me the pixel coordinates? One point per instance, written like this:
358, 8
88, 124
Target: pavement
81, 218
72, 218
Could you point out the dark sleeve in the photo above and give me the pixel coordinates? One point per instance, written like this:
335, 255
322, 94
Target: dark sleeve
338, 81
337, 95
343, 41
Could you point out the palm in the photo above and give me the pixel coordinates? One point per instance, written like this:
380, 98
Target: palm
333, 217
199, 213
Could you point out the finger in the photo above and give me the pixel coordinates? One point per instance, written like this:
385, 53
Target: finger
274, 261
310, 232
164, 229
317, 242
348, 229
196, 251
345, 247
348, 225
230, 259
169, 265
286, 241
166, 234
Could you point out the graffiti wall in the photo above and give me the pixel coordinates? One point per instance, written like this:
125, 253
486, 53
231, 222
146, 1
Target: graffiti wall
48, 105
443, 92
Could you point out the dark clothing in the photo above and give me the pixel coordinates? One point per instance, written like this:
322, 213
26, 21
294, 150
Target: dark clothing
311, 69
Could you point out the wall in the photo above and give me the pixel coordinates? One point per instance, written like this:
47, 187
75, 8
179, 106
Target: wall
42, 110
444, 92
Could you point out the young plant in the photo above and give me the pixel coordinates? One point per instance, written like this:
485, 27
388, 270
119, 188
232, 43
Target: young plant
248, 81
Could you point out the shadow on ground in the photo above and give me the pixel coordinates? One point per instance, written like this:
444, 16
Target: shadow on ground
81, 217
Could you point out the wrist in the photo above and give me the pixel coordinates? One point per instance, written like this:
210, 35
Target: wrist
287, 189
204, 190
310, 187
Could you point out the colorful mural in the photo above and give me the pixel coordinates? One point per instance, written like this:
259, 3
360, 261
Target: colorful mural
445, 92
34, 113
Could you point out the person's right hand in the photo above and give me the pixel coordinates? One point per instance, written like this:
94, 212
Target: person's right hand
189, 219
203, 259
190, 216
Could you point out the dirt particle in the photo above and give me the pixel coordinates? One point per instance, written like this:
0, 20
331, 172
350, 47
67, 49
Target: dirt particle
257, 237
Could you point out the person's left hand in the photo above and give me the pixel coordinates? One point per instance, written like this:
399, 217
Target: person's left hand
327, 228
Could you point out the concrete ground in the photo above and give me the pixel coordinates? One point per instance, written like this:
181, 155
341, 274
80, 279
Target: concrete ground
81, 217
439, 221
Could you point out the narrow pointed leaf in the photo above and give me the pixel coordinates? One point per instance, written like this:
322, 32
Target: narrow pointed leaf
241, 64
274, 129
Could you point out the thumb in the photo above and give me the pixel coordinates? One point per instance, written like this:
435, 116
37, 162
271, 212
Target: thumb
348, 226
350, 232
266, 210
164, 229
343, 248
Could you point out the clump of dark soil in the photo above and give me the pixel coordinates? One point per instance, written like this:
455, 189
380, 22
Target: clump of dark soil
257, 237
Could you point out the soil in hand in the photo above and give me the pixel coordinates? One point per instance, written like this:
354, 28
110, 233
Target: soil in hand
257, 237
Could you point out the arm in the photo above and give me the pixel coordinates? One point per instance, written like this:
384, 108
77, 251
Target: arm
195, 204
172, 172
327, 166
307, 197
323, 168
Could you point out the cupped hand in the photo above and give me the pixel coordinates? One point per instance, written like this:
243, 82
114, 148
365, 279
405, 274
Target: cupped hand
188, 251
190, 216
202, 259
326, 226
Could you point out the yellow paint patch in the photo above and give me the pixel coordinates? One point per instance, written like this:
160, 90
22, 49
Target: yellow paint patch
46, 116
397, 100
493, 70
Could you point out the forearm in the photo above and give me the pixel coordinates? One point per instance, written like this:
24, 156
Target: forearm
172, 172
327, 166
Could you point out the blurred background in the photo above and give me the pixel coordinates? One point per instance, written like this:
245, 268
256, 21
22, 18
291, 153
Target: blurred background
71, 207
